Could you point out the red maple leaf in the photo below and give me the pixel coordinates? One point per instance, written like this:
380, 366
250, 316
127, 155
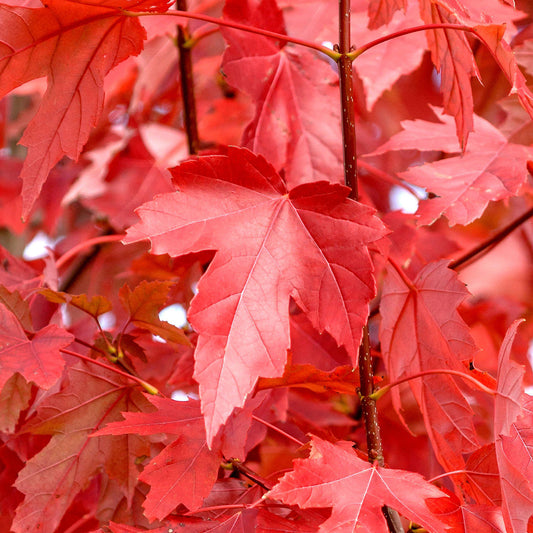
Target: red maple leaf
289, 88
453, 59
312, 238
508, 404
514, 453
333, 476
185, 471
491, 168
52, 478
420, 331
514, 439
38, 359
381, 11
144, 304
45, 41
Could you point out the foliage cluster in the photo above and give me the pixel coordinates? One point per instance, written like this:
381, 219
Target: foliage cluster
334, 372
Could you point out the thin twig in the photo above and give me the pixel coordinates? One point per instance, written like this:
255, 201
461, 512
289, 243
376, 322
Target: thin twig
485, 246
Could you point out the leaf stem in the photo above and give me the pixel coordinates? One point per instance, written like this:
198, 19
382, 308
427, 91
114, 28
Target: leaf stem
235, 25
445, 26
381, 392
250, 474
86, 244
187, 84
492, 241
280, 431
146, 386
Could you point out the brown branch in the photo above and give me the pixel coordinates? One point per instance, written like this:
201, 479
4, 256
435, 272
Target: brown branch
347, 100
187, 84
485, 246
368, 404
250, 474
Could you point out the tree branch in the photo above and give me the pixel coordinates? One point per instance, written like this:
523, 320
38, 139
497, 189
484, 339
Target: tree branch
368, 404
187, 84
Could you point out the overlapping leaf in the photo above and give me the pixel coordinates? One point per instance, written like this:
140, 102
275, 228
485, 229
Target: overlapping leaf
333, 476
514, 439
420, 331
289, 88
454, 60
46, 41
514, 453
490, 169
381, 11
144, 304
308, 244
52, 478
38, 359
185, 471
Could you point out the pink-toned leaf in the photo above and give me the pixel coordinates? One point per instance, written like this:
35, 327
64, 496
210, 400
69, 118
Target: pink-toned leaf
492, 37
380, 12
238, 205
421, 330
491, 168
333, 476
508, 404
38, 359
52, 478
379, 68
45, 42
289, 88
185, 471
454, 60
514, 453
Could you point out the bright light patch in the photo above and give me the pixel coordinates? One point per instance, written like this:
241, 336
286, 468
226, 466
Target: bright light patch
174, 314
107, 320
65, 315
181, 396
401, 199
37, 248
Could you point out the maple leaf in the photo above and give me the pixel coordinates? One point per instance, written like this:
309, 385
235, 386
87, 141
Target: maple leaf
492, 37
468, 518
144, 304
289, 88
94, 306
421, 330
52, 478
508, 405
490, 169
379, 67
308, 244
185, 471
45, 41
14, 397
453, 59
14, 302
482, 476
380, 12
343, 379
333, 476
514, 453
37, 359
514, 439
